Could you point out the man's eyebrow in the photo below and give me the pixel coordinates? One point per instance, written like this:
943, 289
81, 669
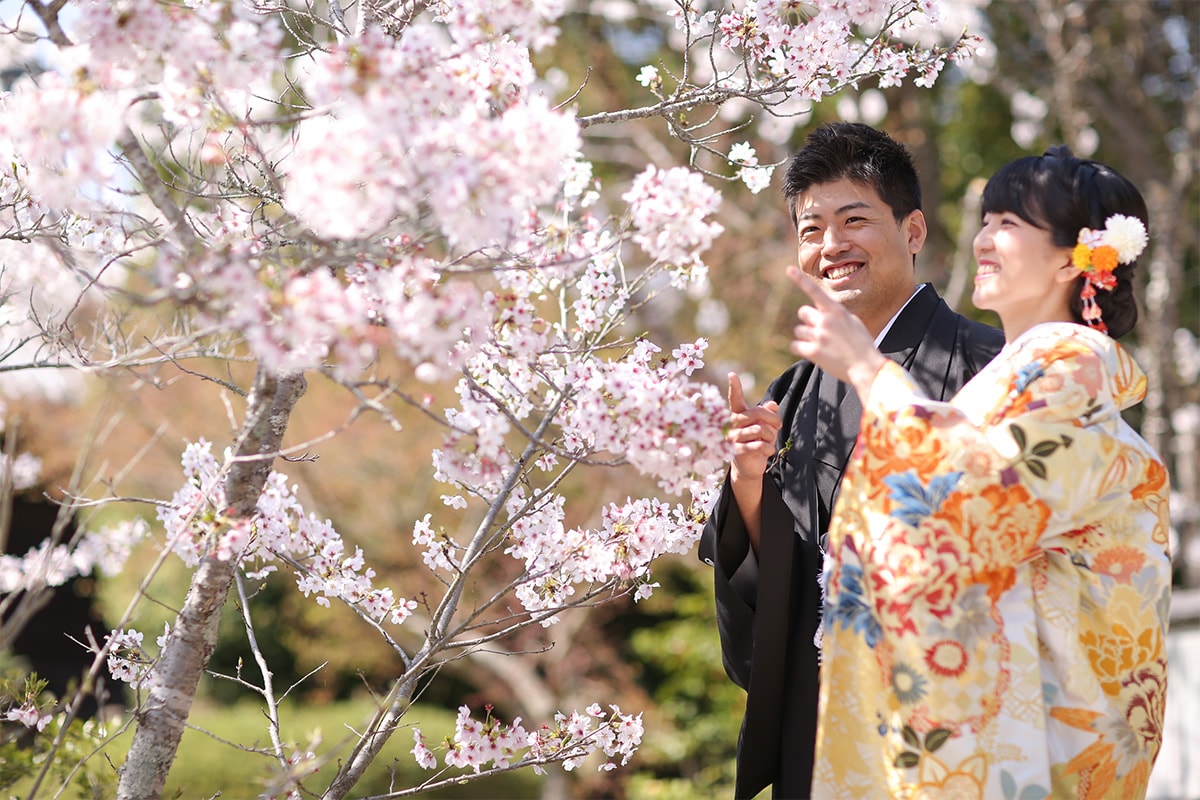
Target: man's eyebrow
842, 210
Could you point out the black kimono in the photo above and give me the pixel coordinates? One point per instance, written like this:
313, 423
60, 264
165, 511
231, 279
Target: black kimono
767, 622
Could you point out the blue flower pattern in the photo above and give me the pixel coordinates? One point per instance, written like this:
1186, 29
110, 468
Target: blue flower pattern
852, 610
1028, 374
916, 502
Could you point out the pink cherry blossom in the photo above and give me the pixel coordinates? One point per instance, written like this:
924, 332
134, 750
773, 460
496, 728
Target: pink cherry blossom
668, 208
29, 716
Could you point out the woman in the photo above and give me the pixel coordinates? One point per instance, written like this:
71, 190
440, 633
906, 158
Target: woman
997, 574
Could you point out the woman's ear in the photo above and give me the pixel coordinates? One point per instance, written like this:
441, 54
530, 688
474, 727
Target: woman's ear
1068, 272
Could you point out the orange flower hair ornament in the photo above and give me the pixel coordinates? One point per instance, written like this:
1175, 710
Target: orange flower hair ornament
1098, 253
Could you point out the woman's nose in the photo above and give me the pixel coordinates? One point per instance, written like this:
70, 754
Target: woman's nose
982, 240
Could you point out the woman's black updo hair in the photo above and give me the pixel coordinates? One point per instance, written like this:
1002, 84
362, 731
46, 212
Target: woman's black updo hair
1061, 193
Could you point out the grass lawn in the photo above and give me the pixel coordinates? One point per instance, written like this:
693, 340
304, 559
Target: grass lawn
207, 767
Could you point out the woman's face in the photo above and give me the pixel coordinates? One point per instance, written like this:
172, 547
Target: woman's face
1022, 275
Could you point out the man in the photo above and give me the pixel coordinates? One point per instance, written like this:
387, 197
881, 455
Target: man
855, 200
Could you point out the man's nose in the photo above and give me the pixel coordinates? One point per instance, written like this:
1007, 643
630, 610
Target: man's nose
834, 241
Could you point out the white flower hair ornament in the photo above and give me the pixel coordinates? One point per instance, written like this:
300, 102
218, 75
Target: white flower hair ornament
1098, 253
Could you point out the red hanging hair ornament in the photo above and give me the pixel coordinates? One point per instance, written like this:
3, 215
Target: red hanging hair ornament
1091, 310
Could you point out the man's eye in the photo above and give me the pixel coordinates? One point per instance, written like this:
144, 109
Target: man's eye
809, 231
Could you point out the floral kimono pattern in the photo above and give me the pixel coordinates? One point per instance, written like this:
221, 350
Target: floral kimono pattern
996, 585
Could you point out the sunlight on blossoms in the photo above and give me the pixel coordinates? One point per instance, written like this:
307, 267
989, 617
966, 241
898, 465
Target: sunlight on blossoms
667, 426
280, 532
428, 121
834, 43
103, 551
62, 134
570, 740
668, 208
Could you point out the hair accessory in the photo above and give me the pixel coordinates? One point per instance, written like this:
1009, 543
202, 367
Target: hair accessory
1098, 253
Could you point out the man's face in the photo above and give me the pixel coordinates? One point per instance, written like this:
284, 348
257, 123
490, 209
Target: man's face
850, 242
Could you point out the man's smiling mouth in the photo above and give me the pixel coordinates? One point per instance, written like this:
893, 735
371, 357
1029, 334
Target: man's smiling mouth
840, 271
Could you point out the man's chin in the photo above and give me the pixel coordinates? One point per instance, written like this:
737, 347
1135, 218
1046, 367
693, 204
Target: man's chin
848, 296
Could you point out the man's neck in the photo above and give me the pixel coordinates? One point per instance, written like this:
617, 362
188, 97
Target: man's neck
882, 332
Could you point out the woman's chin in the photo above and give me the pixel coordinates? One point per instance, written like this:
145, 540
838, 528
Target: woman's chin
982, 300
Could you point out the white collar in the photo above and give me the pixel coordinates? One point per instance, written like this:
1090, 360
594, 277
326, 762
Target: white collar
892, 321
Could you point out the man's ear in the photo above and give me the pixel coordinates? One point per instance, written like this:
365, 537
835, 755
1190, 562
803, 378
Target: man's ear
916, 230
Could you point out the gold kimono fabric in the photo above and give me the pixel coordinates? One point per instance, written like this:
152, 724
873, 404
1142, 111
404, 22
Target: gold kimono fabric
996, 585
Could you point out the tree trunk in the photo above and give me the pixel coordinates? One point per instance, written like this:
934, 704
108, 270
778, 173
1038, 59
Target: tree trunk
191, 643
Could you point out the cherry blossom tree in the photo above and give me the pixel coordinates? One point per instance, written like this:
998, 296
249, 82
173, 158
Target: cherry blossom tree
303, 187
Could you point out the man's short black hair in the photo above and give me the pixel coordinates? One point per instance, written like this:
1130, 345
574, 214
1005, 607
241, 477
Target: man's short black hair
841, 150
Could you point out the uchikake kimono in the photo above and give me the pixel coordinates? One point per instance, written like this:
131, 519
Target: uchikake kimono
996, 585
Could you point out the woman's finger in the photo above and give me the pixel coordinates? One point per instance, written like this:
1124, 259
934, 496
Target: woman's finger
815, 291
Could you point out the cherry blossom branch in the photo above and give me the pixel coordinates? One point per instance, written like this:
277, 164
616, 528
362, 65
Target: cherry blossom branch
48, 14
687, 102
268, 690
384, 723
155, 189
